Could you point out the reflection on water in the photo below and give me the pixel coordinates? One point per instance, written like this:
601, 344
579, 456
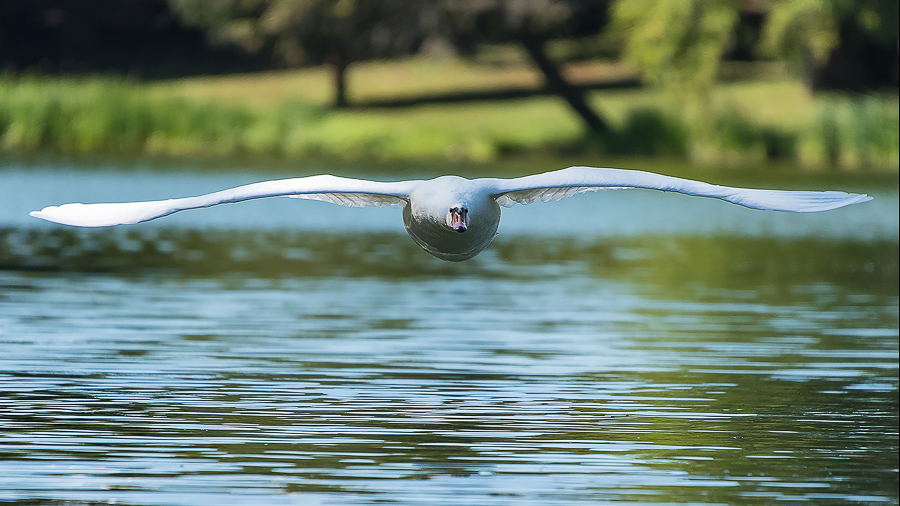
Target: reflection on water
150, 365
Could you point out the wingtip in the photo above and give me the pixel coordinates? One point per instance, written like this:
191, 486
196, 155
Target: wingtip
854, 198
66, 214
846, 199
48, 214
43, 214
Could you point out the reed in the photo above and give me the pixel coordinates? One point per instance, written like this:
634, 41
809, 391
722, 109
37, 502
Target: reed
117, 116
853, 133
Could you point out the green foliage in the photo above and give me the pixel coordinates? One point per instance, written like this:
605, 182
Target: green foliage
675, 42
734, 133
114, 116
800, 30
311, 31
860, 133
213, 15
803, 32
679, 43
648, 131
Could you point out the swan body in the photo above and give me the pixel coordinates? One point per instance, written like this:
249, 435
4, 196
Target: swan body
428, 223
450, 217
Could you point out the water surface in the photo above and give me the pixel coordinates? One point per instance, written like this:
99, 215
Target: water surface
634, 347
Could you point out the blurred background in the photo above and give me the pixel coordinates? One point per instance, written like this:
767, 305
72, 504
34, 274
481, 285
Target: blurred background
742, 83
623, 347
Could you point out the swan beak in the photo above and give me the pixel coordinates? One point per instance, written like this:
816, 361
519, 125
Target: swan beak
459, 219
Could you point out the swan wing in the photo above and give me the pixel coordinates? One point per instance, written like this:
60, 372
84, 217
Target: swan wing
574, 180
337, 190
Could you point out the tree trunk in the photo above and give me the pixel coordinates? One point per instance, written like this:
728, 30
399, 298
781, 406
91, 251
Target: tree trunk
339, 63
558, 84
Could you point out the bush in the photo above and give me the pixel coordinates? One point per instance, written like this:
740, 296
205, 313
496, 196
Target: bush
734, 133
649, 132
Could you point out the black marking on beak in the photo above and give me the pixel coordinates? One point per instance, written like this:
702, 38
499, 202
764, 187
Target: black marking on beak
459, 219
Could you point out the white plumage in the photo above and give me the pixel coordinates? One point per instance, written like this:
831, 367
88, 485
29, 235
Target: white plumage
452, 218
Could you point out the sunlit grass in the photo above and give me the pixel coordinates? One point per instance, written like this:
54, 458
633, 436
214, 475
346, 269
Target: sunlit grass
389, 79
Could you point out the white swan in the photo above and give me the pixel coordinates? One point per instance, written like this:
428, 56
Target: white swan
451, 217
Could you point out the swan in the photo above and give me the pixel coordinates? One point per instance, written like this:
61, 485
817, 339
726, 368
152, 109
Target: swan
450, 217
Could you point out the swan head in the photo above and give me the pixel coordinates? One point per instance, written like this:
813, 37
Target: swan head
458, 218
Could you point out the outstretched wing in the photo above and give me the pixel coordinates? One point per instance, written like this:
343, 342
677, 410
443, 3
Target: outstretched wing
338, 190
566, 182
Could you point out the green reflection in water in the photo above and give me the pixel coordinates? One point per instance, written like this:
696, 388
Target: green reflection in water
673, 266
745, 370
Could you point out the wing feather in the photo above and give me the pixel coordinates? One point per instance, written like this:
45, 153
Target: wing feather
354, 199
529, 196
574, 180
337, 190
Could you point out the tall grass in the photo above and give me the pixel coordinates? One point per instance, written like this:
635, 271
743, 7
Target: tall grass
858, 133
117, 116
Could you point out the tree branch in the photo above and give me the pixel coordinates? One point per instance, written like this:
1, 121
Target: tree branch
558, 84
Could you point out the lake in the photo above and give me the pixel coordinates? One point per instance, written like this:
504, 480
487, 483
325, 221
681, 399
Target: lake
628, 346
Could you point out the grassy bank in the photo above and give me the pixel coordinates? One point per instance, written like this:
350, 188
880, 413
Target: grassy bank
285, 115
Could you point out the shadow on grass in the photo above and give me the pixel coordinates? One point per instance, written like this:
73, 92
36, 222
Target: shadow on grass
487, 95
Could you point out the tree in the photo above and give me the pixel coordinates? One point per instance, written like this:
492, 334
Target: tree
139, 38
844, 44
336, 32
339, 32
677, 43
531, 23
